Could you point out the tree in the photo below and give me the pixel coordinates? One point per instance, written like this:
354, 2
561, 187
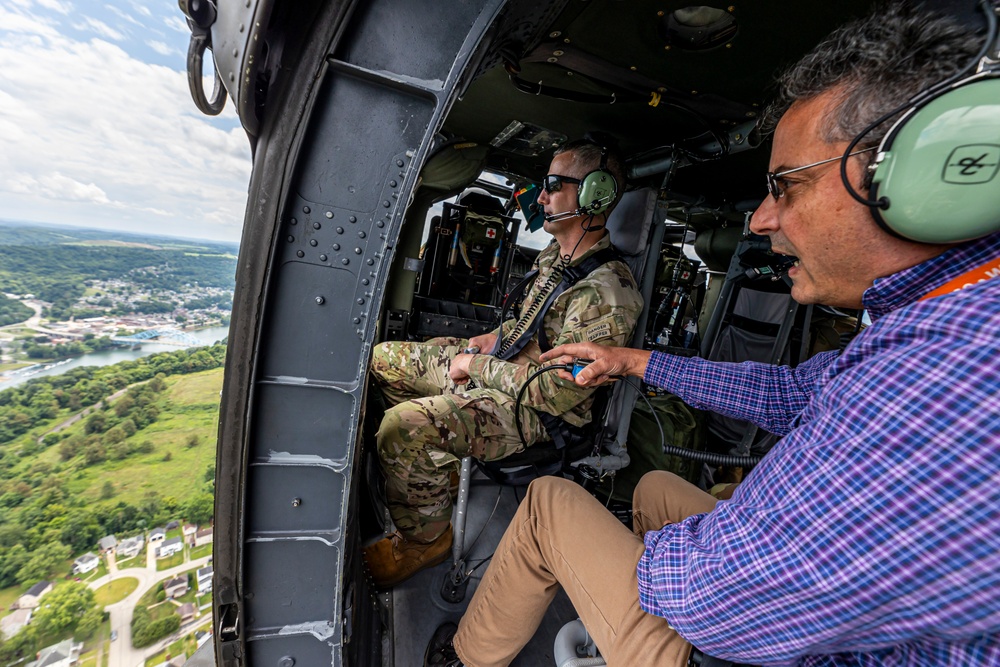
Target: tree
192, 441
96, 423
88, 623
199, 509
43, 562
60, 609
107, 491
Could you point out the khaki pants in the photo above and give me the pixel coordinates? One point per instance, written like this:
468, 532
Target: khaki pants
562, 536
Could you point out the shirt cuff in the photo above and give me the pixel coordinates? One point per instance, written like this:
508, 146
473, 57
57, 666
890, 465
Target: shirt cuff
665, 370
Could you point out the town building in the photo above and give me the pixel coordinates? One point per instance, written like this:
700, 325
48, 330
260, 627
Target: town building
169, 547
12, 623
30, 599
176, 587
86, 563
204, 577
63, 654
107, 543
203, 536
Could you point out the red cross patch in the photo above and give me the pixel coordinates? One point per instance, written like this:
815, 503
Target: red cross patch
491, 233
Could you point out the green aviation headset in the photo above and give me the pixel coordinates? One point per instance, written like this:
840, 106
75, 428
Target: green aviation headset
598, 189
937, 171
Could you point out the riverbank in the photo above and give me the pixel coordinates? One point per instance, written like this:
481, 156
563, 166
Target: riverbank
17, 377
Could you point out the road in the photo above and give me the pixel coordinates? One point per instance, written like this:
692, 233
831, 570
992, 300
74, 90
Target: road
106, 402
122, 653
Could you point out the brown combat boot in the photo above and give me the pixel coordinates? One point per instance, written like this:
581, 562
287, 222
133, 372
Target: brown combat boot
392, 560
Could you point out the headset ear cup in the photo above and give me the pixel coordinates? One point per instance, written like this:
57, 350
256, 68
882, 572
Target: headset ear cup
939, 168
598, 190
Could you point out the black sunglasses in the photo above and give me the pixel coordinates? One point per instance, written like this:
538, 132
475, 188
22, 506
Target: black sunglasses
553, 182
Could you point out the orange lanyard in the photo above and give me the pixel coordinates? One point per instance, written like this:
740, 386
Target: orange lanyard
990, 269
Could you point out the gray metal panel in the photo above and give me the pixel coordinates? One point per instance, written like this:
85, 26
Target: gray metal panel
294, 500
422, 47
292, 651
322, 343
350, 157
296, 421
283, 578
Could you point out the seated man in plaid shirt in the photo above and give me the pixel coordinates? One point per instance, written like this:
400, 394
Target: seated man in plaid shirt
870, 534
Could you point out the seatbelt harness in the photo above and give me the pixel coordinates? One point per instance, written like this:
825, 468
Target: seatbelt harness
562, 433
571, 276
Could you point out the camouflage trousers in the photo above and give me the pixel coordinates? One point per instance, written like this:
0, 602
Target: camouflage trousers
432, 424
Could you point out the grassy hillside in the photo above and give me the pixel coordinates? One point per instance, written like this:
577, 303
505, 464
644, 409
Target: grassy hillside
188, 408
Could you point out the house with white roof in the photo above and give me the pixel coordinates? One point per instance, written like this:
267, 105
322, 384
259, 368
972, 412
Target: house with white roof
86, 563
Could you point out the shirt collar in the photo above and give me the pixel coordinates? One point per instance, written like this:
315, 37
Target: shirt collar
600, 244
904, 287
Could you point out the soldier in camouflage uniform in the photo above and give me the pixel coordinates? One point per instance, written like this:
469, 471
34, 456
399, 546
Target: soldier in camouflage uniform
436, 420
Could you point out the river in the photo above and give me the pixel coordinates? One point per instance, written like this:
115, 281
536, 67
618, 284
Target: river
106, 357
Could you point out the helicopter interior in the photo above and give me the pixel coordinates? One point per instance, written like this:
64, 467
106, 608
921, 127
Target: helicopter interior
369, 121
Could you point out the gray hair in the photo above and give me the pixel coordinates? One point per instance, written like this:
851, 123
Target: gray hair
874, 65
586, 157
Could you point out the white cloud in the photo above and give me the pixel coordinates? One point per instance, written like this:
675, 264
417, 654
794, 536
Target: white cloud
56, 6
133, 20
177, 23
99, 27
160, 47
17, 22
89, 134
142, 9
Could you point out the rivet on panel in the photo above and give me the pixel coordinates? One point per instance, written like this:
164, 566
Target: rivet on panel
365, 281
242, 27
361, 302
552, 60
236, 52
296, 502
370, 261
232, 77
291, 239
361, 235
555, 34
305, 209
294, 221
357, 320
392, 184
399, 163
287, 661
320, 301
316, 225
300, 254
336, 246
386, 203
345, 261
313, 242
322, 258
380, 224
357, 251
329, 214
340, 230
558, 52
353, 219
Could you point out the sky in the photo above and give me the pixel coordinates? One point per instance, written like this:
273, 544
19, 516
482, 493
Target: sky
98, 129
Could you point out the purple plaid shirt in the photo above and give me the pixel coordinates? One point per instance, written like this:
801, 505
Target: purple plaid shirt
870, 534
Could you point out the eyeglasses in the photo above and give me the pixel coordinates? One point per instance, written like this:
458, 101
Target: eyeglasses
772, 179
553, 182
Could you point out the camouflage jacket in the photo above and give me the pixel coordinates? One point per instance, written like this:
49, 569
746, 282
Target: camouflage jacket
602, 307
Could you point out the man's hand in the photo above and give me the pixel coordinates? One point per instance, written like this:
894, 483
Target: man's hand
608, 361
458, 371
484, 342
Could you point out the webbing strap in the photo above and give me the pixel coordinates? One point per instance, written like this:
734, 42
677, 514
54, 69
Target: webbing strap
571, 276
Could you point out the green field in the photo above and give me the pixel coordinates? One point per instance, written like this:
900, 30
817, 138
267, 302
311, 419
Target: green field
167, 563
190, 406
201, 552
117, 590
